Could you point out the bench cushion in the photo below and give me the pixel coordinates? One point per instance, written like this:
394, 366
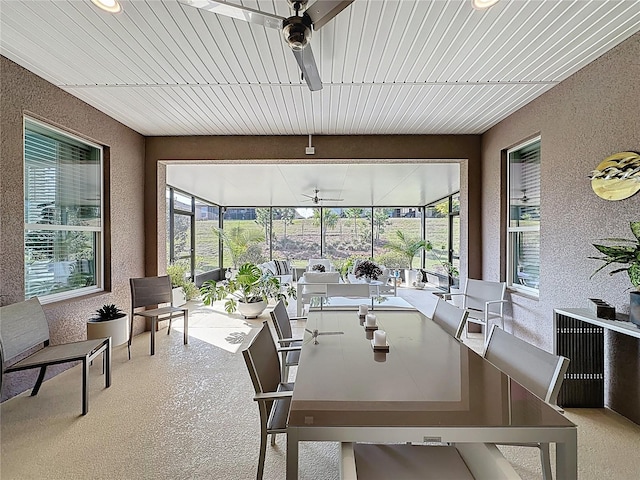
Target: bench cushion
321, 277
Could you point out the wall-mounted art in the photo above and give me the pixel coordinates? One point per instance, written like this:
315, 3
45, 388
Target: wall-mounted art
617, 177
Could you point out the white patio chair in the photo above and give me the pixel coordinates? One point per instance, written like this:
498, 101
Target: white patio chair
538, 371
450, 318
325, 262
484, 302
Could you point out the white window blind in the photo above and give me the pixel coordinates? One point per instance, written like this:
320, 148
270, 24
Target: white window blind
523, 261
63, 213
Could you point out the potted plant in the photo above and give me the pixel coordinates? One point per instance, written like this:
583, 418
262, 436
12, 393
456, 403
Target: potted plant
248, 292
628, 255
109, 321
367, 269
183, 288
409, 247
452, 274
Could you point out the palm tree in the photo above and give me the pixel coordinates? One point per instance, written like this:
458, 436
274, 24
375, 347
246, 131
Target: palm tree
263, 218
287, 215
329, 220
380, 219
237, 240
354, 213
409, 247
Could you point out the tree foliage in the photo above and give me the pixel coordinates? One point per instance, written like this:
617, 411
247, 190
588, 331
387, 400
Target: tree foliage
409, 246
237, 240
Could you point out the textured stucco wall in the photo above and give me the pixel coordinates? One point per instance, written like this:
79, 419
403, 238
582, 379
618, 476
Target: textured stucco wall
587, 117
23, 93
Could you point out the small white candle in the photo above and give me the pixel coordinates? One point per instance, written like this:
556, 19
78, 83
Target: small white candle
380, 338
363, 310
371, 320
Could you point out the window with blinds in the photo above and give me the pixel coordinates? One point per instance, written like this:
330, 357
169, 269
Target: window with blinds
63, 234
523, 230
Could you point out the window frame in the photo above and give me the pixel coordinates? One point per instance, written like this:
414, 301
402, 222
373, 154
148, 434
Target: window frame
99, 248
512, 232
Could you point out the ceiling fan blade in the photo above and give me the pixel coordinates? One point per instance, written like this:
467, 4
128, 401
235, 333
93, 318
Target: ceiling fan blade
332, 199
305, 195
308, 67
322, 11
233, 10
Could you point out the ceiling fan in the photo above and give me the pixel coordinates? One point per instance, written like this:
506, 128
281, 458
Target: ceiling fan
315, 199
295, 29
523, 198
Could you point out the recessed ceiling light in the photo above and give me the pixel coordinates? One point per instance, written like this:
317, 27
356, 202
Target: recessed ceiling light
111, 6
483, 4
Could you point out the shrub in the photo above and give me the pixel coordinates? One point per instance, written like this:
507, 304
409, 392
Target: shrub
178, 275
393, 260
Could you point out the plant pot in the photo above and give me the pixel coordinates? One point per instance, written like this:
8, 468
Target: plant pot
251, 310
178, 297
410, 277
634, 307
117, 329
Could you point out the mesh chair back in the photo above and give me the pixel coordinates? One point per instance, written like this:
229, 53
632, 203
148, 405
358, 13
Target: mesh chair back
538, 371
263, 362
281, 320
450, 318
150, 291
478, 292
357, 290
22, 326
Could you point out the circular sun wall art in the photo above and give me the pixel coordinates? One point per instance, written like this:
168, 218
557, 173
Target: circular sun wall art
617, 177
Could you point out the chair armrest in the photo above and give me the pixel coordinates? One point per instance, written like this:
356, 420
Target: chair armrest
285, 341
495, 301
273, 395
289, 349
447, 296
491, 302
297, 318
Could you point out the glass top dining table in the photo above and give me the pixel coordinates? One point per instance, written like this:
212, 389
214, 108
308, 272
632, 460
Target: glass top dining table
428, 387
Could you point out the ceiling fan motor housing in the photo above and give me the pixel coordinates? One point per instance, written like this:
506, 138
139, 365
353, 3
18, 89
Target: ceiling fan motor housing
297, 31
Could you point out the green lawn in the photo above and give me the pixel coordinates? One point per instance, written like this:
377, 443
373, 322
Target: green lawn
301, 240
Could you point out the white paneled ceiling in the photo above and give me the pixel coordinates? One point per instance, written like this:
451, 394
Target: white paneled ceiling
357, 184
387, 66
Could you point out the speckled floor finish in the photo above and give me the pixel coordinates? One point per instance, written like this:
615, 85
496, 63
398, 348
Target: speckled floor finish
188, 413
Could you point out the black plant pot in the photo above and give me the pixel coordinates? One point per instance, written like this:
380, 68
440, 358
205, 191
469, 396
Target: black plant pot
634, 307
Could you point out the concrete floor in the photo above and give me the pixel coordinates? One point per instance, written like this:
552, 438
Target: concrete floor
188, 413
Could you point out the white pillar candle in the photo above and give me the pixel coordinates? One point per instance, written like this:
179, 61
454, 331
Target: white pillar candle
371, 320
363, 310
380, 338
